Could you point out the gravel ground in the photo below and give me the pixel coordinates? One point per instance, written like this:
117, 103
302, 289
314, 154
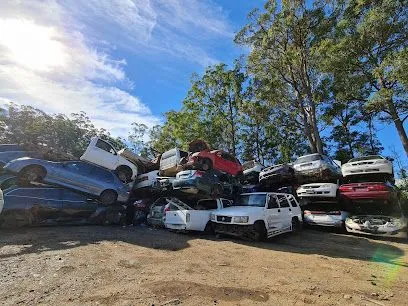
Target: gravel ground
90, 265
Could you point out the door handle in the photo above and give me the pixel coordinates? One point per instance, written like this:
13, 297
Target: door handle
290, 209
278, 210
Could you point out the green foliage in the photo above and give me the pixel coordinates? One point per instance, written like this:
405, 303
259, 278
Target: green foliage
59, 134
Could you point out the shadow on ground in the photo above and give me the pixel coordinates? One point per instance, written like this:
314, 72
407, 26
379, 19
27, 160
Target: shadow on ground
324, 243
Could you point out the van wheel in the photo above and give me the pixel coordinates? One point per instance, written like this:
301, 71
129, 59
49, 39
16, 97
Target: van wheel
296, 227
108, 197
259, 232
124, 173
32, 174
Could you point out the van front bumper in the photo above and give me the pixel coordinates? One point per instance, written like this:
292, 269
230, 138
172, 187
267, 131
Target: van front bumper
233, 229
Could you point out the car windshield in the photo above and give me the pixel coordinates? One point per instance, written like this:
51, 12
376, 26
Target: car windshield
308, 158
365, 158
257, 200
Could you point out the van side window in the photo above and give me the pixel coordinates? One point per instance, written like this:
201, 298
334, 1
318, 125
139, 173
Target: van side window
105, 146
283, 202
207, 204
273, 203
292, 202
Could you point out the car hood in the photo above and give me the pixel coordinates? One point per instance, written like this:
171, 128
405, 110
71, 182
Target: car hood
239, 211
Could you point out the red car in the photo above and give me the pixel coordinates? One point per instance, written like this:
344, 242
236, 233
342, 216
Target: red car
368, 191
217, 160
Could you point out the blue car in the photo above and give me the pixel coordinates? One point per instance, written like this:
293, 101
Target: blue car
78, 175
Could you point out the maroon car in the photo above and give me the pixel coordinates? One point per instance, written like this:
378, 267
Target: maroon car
369, 191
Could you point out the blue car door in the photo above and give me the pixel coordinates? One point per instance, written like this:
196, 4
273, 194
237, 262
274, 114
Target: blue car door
45, 204
77, 206
78, 175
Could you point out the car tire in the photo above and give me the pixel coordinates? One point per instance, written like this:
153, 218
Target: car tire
108, 197
124, 174
209, 230
296, 226
32, 174
206, 164
259, 231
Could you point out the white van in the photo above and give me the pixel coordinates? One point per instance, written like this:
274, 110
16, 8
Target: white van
258, 216
170, 162
197, 218
102, 153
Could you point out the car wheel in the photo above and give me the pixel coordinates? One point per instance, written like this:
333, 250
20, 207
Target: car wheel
206, 164
32, 174
124, 174
259, 232
296, 227
108, 197
209, 229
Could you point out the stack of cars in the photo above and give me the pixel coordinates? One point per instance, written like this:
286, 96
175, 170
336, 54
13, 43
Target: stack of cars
38, 191
372, 199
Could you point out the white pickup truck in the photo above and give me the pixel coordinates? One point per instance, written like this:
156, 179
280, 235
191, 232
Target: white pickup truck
258, 216
194, 219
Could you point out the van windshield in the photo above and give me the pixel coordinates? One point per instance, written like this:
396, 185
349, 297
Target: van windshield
307, 159
256, 200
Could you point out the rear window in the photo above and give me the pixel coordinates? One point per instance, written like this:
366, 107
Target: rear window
366, 158
307, 159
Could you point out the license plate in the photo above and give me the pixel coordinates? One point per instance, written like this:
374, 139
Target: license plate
310, 191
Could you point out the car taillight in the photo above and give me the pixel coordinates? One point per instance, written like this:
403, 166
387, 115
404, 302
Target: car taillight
306, 212
378, 187
345, 188
167, 208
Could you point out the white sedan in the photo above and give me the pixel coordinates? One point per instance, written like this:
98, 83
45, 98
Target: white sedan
317, 190
367, 165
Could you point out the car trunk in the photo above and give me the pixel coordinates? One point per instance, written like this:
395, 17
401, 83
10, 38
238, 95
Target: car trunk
320, 212
364, 187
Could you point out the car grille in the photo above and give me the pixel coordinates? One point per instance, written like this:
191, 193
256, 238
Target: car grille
225, 219
362, 163
311, 187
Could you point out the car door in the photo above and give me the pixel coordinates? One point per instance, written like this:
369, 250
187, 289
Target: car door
45, 204
286, 211
77, 175
77, 206
16, 208
228, 162
200, 216
273, 215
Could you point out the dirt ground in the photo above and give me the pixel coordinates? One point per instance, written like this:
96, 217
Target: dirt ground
91, 265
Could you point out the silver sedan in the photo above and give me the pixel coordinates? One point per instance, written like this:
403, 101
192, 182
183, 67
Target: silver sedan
77, 175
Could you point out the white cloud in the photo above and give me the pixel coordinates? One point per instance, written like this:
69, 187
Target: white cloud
55, 55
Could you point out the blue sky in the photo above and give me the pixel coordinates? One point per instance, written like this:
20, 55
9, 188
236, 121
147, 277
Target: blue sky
120, 61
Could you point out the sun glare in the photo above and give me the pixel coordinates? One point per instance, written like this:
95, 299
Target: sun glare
31, 45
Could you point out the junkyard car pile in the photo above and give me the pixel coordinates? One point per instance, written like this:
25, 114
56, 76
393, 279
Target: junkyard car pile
200, 190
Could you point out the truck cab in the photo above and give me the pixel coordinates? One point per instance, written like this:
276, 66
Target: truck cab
258, 216
196, 218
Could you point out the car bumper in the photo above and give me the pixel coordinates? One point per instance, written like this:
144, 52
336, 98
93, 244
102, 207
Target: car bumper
366, 170
367, 195
376, 230
155, 221
316, 192
179, 227
233, 229
323, 222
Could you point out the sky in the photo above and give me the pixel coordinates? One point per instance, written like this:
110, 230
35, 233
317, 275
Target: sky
120, 61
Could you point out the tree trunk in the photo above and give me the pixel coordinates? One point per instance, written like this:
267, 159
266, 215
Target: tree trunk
398, 125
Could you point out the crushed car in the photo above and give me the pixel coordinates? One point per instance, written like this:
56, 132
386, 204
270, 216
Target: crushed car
215, 160
78, 175
102, 153
196, 181
317, 168
258, 216
326, 214
251, 171
171, 162
31, 206
371, 164
196, 218
157, 213
318, 192
277, 174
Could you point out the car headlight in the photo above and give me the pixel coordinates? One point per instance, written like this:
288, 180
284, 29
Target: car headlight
241, 219
212, 217
346, 165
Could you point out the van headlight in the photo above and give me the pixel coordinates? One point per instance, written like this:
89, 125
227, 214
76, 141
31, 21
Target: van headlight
212, 217
241, 219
